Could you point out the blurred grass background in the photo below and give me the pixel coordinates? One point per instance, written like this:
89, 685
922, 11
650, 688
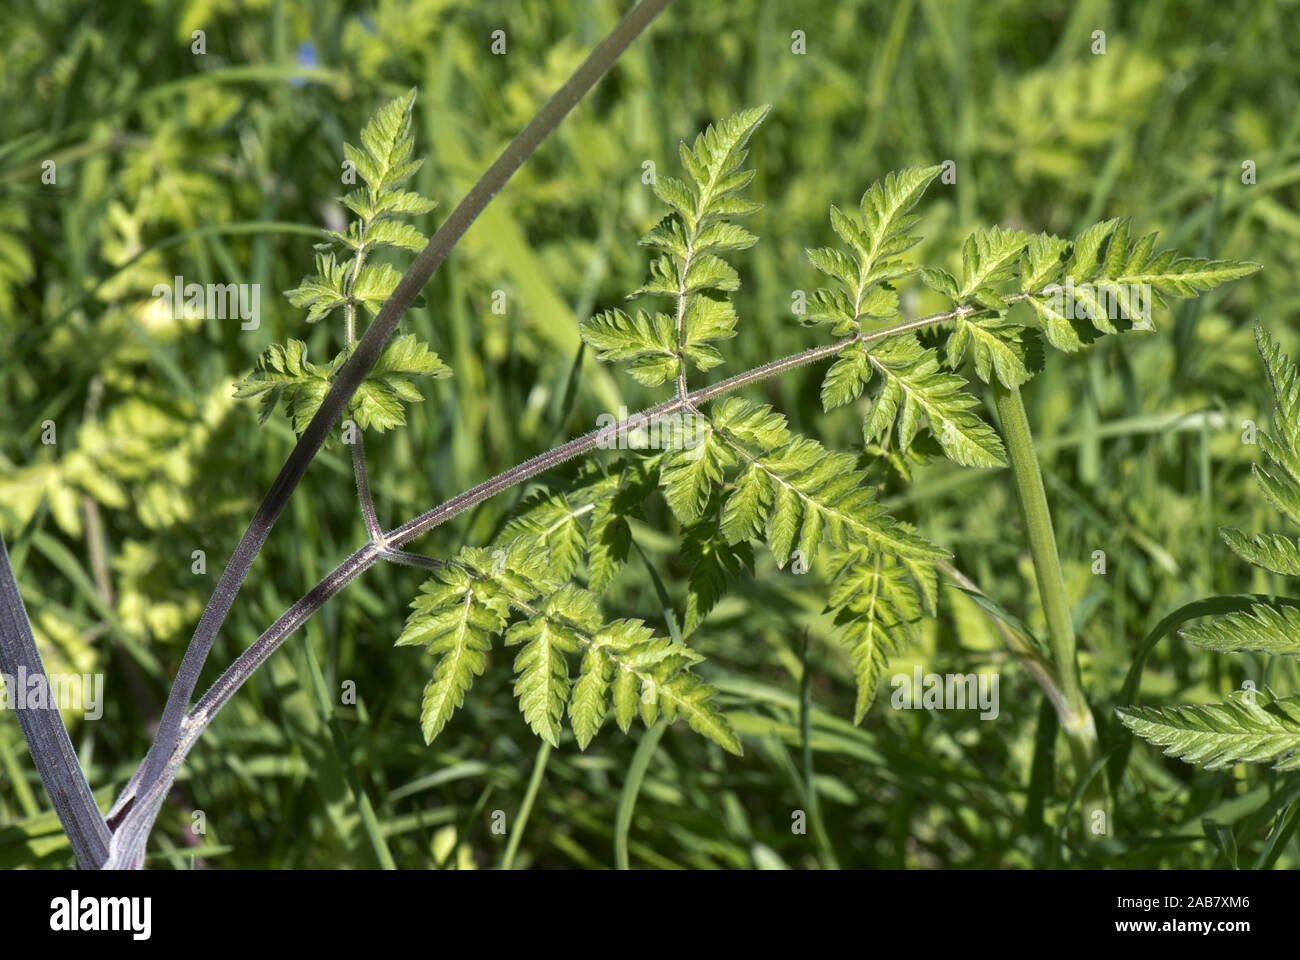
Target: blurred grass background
221, 167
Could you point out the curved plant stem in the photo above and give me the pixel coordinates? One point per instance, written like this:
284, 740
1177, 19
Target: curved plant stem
552, 458
134, 824
47, 737
1076, 718
134, 812
810, 796
368, 514
374, 532
632, 789
534, 784
358, 364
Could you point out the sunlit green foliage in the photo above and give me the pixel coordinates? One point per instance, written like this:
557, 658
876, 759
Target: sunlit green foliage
472, 600
283, 375
1252, 725
223, 168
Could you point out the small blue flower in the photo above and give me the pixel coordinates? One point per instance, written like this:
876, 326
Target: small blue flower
306, 58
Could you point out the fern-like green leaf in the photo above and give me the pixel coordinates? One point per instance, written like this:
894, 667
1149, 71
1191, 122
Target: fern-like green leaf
353, 280
1261, 629
877, 606
1111, 277
455, 616
913, 391
915, 387
1268, 550
689, 269
542, 686
1041, 262
798, 491
1285, 381
283, 373
378, 402
713, 560
1251, 726
555, 526
647, 340
609, 537
388, 143
374, 284
589, 521
624, 662
713, 163
989, 256
876, 241
324, 291
996, 347
384, 164
391, 233
846, 377
688, 475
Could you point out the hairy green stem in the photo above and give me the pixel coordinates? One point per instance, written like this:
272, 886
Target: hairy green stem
552, 458
368, 514
146, 791
1076, 716
133, 814
148, 788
